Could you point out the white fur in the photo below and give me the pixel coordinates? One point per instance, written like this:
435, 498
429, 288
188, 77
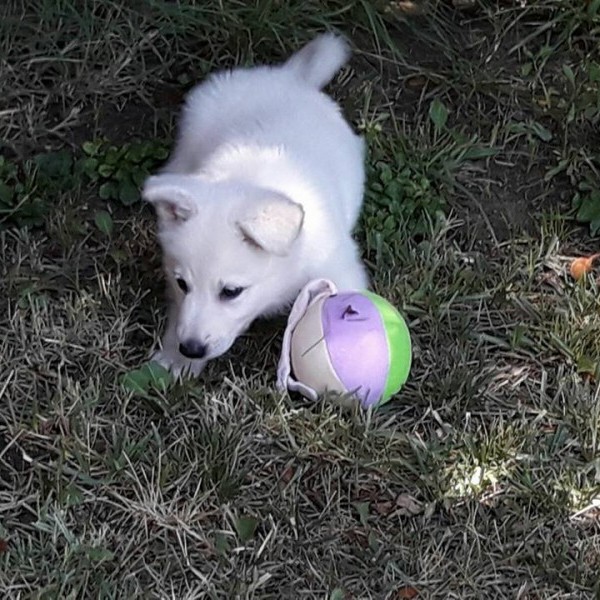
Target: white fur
262, 191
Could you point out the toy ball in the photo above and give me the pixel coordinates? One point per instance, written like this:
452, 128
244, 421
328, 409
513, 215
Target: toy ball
353, 343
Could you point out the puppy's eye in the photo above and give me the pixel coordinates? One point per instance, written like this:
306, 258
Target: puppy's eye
183, 286
229, 293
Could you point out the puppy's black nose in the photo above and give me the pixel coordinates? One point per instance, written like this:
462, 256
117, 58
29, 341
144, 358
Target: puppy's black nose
193, 349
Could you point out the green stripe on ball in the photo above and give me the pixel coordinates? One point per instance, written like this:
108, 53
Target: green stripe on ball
399, 346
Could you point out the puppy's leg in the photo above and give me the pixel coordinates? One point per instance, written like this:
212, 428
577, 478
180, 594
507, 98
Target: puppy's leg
169, 356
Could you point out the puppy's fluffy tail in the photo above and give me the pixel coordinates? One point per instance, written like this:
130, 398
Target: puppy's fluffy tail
318, 61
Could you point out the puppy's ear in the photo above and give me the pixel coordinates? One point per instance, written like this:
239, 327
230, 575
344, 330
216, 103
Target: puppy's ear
272, 222
173, 196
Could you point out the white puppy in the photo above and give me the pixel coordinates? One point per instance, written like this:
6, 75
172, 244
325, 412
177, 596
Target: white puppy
260, 196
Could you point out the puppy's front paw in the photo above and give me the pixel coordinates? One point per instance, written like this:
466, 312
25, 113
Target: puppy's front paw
179, 365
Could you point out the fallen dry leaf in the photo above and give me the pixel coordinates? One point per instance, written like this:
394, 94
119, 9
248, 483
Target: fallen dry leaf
405, 7
3, 546
287, 474
583, 265
407, 505
416, 82
406, 593
404, 505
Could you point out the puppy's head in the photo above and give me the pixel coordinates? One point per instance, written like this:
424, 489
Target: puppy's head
225, 247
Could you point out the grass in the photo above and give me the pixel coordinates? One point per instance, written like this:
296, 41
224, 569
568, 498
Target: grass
479, 480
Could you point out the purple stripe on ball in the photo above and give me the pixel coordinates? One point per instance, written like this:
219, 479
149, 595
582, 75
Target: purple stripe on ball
357, 344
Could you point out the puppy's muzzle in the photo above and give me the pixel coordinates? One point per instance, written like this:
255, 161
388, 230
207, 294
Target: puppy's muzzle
193, 349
